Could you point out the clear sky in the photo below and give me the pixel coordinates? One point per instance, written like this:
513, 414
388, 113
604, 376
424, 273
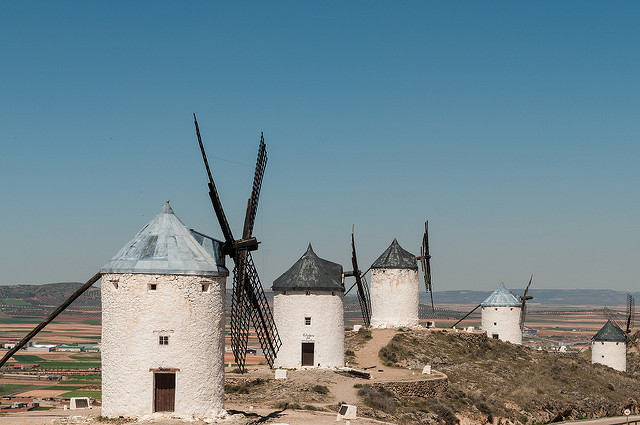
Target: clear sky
511, 126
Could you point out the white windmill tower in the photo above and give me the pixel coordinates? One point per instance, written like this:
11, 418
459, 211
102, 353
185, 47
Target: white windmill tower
394, 289
610, 344
163, 300
502, 316
308, 311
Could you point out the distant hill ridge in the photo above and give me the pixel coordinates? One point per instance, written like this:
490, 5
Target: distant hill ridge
50, 294
541, 297
56, 293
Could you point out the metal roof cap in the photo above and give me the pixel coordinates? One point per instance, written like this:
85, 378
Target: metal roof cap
501, 297
395, 257
610, 333
166, 246
311, 272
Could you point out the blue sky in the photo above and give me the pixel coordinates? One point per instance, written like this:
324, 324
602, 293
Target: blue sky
511, 126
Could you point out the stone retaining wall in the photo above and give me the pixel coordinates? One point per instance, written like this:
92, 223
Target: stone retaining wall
430, 388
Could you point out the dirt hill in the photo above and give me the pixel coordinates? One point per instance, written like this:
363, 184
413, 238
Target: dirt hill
492, 380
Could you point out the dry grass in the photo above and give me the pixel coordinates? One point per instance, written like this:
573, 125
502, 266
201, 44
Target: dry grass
491, 379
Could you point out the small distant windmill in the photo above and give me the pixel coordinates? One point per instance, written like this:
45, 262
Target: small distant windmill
425, 262
248, 302
361, 283
523, 305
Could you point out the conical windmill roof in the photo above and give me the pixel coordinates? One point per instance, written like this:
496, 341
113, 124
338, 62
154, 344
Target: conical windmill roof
165, 246
395, 257
501, 297
610, 333
311, 272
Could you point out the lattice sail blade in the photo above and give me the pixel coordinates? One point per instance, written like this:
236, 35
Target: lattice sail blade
260, 313
631, 309
240, 314
363, 290
425, 262
252, 203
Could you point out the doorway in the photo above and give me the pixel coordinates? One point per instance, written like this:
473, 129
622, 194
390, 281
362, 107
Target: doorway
307, 353
164, 395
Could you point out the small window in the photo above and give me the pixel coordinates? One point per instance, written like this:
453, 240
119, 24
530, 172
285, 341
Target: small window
307, 321
153, 286
163, 340
494, 336
495, 324
511, 309
114, 283
307, 292
496, 309
205, 287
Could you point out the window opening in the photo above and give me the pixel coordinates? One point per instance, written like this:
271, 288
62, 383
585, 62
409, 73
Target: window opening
153, 286
163, 340
307, 321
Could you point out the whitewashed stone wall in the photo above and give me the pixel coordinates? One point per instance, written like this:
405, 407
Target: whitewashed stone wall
326, 330
133, 318
394, 298
504, 321
609, 353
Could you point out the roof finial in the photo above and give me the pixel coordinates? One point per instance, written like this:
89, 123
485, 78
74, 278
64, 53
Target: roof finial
166, 208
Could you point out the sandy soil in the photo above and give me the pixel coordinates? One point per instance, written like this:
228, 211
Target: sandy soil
42, 393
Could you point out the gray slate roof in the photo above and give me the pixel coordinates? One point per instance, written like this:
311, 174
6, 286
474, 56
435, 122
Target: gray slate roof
501, 297
311, 272
395, 257
166, 246
610, 333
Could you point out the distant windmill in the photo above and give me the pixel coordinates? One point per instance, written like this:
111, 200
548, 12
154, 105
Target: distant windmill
361, 283
248, 302
497, 309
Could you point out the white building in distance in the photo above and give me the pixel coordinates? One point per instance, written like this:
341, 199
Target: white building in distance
609, 347
163, 301
501, 316
308, 311
395, 289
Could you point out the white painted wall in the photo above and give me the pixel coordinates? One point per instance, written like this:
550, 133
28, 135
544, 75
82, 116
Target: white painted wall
326, 330
504, 321
394, 298
133, 318
608, 353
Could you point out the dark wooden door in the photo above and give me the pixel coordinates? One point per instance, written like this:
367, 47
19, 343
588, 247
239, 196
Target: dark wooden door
307, 353
165, 392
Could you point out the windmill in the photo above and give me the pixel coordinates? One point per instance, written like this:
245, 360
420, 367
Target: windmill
363, 287
524, 298
248, 302
425, 262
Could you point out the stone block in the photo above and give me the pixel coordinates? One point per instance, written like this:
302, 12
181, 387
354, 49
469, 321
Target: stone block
281, 374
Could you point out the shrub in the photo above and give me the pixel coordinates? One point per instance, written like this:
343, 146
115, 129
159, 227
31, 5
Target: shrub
320, 389
378, 398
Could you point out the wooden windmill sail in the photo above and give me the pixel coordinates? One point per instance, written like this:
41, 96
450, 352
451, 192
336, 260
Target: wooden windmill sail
524, 298
425, 262
248, 302
361, 283
627, 325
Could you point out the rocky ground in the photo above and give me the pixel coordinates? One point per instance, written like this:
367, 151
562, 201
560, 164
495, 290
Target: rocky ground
488, 382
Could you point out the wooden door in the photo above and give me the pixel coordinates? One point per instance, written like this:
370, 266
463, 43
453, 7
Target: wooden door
307, 353
165, 392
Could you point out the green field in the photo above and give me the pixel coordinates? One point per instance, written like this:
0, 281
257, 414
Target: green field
10, 320
15, 302
93, 322
26, 358
81, 393
86, 357
9, 389
68, 365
